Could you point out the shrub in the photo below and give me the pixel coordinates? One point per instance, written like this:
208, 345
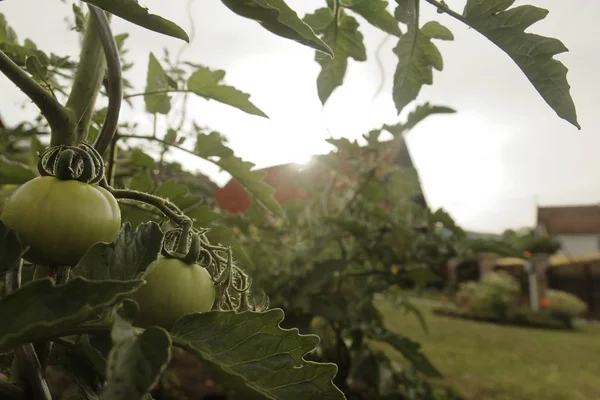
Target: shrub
565, 306
494, 295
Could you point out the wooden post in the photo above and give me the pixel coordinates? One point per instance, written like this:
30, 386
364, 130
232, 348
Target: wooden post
541, 262
590, 289
487, 262
452, 266
539, 266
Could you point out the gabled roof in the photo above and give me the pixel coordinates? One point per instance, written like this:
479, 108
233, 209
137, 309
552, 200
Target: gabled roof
570, 219
285, 179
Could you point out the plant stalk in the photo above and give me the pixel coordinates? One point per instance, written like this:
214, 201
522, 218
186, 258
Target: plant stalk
114, 78
86, 85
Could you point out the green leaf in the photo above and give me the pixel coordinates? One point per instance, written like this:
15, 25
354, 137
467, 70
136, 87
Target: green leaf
140, 159
207, 84
14, 172
39, 310
131, 11
142, 182
171, 190
11, 249
345, 40
135, 362
203, 215
532, 53
251, 351
171, 136
278, 18
375, 11
417, 55
127, 257
411, 350
211, 145
156, 81
38, 71
7, 34
420, 112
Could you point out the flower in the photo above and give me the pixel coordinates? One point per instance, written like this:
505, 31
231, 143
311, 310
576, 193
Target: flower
544, 302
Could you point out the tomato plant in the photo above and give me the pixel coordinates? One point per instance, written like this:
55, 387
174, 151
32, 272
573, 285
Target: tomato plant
73, 287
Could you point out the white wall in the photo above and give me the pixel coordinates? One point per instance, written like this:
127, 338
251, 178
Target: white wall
578, 245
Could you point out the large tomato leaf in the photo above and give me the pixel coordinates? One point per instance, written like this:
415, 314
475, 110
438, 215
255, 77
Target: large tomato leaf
133, 12
208, 84
157, 83
127, 257
410, 349
11, 249
278, 18
39, 310
346, 41
532, 53
417, 55
255, 354
135, 362
212, 146
14, 172
376, 13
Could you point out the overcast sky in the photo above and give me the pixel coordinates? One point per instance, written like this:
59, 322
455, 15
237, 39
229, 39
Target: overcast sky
487, 165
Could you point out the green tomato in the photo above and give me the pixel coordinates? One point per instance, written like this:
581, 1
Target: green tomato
61, 220
173, 289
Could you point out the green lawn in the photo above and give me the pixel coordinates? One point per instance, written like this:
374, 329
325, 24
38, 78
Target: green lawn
490, 362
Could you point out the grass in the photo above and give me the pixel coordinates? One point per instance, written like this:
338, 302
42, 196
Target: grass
491, 362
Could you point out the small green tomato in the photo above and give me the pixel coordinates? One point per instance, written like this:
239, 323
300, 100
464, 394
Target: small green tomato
173, 289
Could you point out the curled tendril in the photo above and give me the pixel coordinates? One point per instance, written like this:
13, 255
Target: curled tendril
191, 245
82, 163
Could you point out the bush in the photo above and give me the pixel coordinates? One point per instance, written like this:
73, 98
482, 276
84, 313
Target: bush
494, 295
565, 306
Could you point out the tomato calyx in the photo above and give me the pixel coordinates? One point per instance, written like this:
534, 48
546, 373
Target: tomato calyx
81, 163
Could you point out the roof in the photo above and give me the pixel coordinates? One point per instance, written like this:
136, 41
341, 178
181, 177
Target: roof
286, 178
570, 219
555, 261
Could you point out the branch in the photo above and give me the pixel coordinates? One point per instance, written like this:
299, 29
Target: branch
55, 113
115, 80
86, 85
159, 140
449, 11
158, 92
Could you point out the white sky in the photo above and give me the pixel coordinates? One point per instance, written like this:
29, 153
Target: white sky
487, 165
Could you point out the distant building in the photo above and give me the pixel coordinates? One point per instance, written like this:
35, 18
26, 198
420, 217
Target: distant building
286, 180
577, 228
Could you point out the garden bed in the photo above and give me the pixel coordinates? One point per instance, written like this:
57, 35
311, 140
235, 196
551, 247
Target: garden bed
526, 319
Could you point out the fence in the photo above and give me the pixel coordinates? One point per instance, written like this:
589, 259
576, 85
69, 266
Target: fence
577, 275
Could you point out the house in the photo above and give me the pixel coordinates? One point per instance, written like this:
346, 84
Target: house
286, 180
577, 228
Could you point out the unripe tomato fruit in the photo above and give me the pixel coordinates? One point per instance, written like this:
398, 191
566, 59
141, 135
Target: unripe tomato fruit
61, 220
173, 289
